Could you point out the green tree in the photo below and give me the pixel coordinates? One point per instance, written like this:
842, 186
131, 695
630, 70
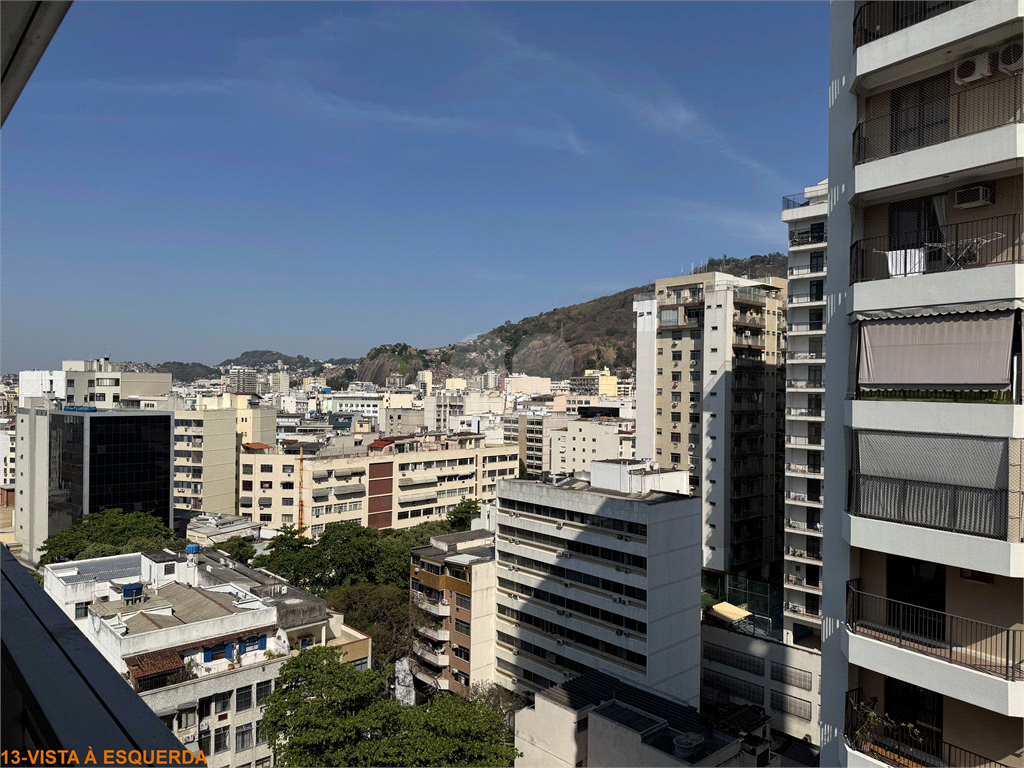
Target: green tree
501, 701
238, 549
383, 612
325, 712
461, 518
392, 564
109, 532
523, 474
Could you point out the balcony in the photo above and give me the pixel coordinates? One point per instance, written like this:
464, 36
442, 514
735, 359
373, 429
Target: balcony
747, 362
977, 108
436, 607
877, 19
994, 650
806, 356
805, 442
745, 318
802, 554
802, 527
748, 340
806, 237
802, 328
803, 498
799, 581
436, 634
894, 744
968, 245
810, 413
437, 681
806, 298
434, 656
802, 611
807, 270
805, 470
983, 512
814, 385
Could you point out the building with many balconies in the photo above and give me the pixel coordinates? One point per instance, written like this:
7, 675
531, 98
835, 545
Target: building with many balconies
922, 523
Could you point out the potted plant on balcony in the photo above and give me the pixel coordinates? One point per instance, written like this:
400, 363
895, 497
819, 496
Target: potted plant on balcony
871, 725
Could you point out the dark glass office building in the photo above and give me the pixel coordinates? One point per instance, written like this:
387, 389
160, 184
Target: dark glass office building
104, 459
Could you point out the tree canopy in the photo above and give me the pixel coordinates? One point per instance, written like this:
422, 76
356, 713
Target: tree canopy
345, 554
384, 613
461, 518
109, 532
325, 712
238, 549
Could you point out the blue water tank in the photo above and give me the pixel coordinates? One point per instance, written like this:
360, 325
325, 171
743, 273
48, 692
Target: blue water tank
133, 590
192, 549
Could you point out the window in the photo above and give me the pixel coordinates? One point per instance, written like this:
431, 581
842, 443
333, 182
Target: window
220, 739
81, 610
266, 468
204, 742
695, 418
243, 698
660, 371
799, 678
263, 689
263, 762
186, 718
71, 398
71, 383
791, 705
677, 355
462, 601
287, 468
736, 659
169, 569
674, 458
694, 375
101, 397
247, 485
462, 627
243, 737
287, 486
462, 653
677, 376
288, 501
286, 518
222, 701
677, 397
266, 517
582, 724
676, 437
460, 677
661, 350
695, 335
260, 738
247, 469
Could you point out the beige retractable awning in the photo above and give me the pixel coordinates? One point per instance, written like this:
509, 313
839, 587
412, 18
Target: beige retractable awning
728, 612
348, 490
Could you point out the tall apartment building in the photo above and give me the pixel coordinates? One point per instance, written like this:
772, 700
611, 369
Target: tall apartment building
453, 582
599, 576
596, 383
922, 522
76, 460
242, 379
97, 383
806, 214
200, 638
10, 451
582, 441
440, 407
710, 363
391, 483
533, 432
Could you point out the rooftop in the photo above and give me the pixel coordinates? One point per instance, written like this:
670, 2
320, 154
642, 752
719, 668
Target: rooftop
173, 605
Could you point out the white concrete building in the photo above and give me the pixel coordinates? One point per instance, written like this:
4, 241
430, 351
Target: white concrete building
581, 441
604, 578
98, 383
923, 600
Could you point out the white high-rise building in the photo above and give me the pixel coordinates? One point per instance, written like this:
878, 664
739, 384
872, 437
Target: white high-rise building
923, 608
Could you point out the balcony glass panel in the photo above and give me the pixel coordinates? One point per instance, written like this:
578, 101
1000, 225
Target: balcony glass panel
875, 20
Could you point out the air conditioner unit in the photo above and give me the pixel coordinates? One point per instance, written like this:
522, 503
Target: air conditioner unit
415, 570
1011, 57
566, 584
626, 538
515, 623
515, 653
625, 570
618, 536
568, 554
972, 197
559, 642
618, 632
514, 680
568, 615
559, 525
560, 613
974, 68
511, 567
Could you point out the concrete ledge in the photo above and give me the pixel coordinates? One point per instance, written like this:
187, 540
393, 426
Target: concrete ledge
851, 758
977, 688
980, 419
999, 149
995, 283
959, 550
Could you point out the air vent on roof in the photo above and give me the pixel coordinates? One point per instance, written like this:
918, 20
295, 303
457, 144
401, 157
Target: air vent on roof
1011, 57
974, 68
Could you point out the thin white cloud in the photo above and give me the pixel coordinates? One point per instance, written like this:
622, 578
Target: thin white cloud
732, 221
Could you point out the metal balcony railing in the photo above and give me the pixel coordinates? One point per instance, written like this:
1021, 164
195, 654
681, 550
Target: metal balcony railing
895, 744
803, 610
806, 237
875, 20
800, 525
805, 355
800, 581
984, 647
989, 513
977, 108
808, 554
805, 298
813, 412
801, 440
795, 496
799, 200
805, 383
797, 327
745, 318
807, 269
969, 244
747, 362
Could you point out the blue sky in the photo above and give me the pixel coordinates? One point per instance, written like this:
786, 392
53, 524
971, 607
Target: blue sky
185, 181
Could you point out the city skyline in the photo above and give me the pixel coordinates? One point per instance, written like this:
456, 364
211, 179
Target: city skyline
419, 162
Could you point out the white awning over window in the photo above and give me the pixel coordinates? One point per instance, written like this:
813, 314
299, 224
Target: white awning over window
348, 490
962, 351
414, 498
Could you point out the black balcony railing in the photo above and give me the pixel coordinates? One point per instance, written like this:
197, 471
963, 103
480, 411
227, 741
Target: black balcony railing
806, 237
805, 298
986, 648
977, 108
896, 744
979, 243
806, 269
818, 325
875, 20
985, 512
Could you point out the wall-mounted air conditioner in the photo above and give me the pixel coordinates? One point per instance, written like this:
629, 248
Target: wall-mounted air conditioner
1011, 57
514, 680
972, 197
971, 69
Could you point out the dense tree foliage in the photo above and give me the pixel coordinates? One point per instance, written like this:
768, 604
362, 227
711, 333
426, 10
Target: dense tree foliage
324, 712
383, 612
461, 518
238, 549
109, 532
346, 554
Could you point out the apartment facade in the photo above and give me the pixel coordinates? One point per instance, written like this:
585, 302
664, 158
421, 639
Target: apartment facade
806, 214
452, 581
581, 441
74, 460
533, 432
710, 363
602, 576
923, 591
97, 383
242, 379
596, 383
392, 483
